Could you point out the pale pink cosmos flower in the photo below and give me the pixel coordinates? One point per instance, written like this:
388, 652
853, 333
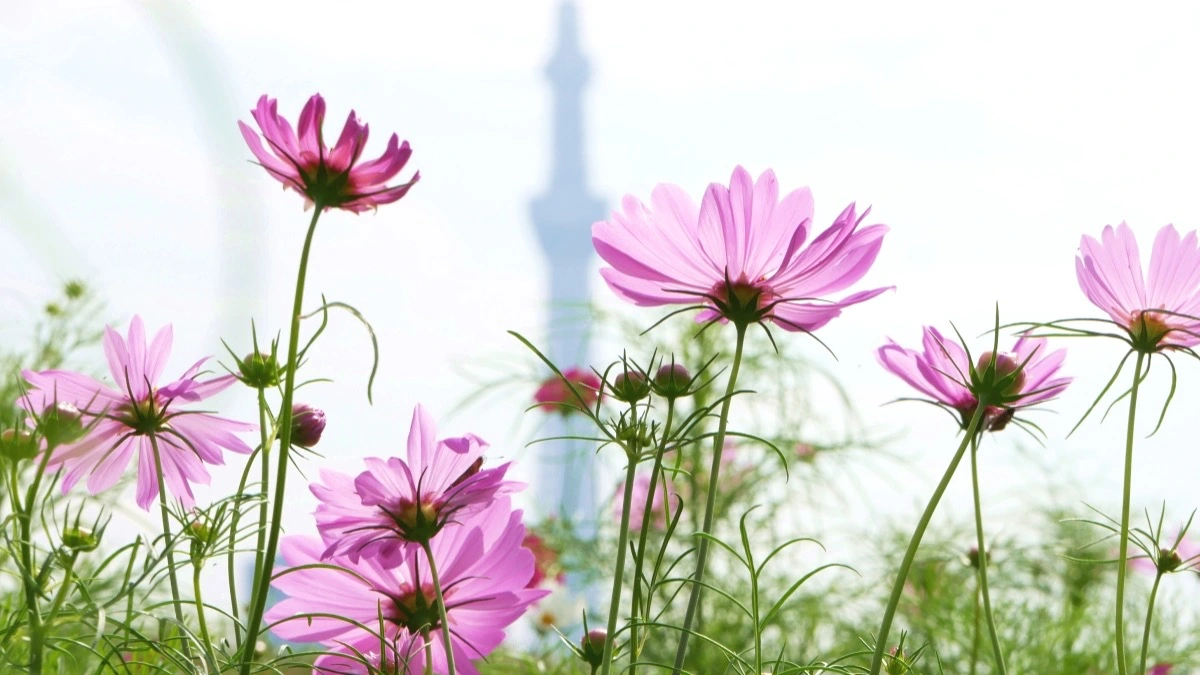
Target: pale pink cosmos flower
741, 254
943, 372
553, 395
396, 503
484, 573
125, 419
329, 177
1110, 274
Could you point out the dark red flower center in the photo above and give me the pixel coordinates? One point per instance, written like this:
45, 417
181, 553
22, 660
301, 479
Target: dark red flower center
415, 608
743, 302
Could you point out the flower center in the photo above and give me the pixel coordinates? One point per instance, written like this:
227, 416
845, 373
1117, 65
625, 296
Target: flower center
1147, 328
742, 302
416, 520
415, 608
145, 417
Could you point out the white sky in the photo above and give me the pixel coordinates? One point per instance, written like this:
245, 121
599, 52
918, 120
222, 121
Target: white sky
989, 139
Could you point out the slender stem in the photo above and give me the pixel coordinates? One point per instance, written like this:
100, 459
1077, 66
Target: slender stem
263, 580
266, 442
1149, 618
428, 652
997, 654
25, 515
169, 544
710, 505
915, 542
1123, 562
441, 607
61, 595
635, 646
975, 634
614, 605
204, 636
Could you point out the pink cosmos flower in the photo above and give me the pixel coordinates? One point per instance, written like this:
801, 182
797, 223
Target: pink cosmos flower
943, 372
1160, 669
396, 504
1110, 274
136, 414
545, 557
554, 396
637, 508
329, 177
484, 573
741, 254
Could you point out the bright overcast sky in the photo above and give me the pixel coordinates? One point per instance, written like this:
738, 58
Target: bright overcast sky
988, 139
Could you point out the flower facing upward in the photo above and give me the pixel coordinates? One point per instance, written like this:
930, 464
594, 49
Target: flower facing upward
1158, 312
943, 372
135, 415
554, 396
484, 572
741, 254
329, 177
397, 504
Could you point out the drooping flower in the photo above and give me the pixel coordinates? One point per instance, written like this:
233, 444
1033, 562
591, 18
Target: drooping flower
396, 503
135, 415
554, 396
484, 572
1159, 311
659, 508
1024, 377
741, 254
331, 177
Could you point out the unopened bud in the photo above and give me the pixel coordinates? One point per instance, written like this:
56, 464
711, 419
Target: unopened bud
61, 424
17, 444
259, 371
592, 646
1168, 561
672, 381
630, 387
79, 540
308, 423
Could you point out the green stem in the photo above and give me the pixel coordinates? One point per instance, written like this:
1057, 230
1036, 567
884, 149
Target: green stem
975, 634
1149, 618
204, 636
1123, 562
263, 580
906, 563
640, 556
168, 543
614, 605
61, 596
428, 652
25, 515
997, 654
441, 607
710, 504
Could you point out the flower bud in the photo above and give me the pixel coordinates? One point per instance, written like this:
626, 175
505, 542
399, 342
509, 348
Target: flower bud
973, 557
592, 647
60, 424
898, 663
259, 371
672, 381
1007, 374
555, 396
630, 387
1168, 560
79, 540
17, 444
308, 423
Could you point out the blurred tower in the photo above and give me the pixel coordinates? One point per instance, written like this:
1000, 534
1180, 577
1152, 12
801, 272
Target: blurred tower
563, 215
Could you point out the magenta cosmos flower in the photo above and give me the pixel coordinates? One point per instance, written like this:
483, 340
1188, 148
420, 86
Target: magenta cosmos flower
1158, 312
553, 395
396, 503
943, 371
741, 254
128, 419
484, 573
329, 177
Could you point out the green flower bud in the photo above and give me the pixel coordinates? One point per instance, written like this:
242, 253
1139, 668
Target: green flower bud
79, 539
259, 371
630, 387
18, 444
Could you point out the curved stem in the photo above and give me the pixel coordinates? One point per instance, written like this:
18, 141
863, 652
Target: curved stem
441, 606
168, 543
635, 647
710, 505
1123, 561
997, 653
263, 580
1149, 618
906, 563
614, 605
